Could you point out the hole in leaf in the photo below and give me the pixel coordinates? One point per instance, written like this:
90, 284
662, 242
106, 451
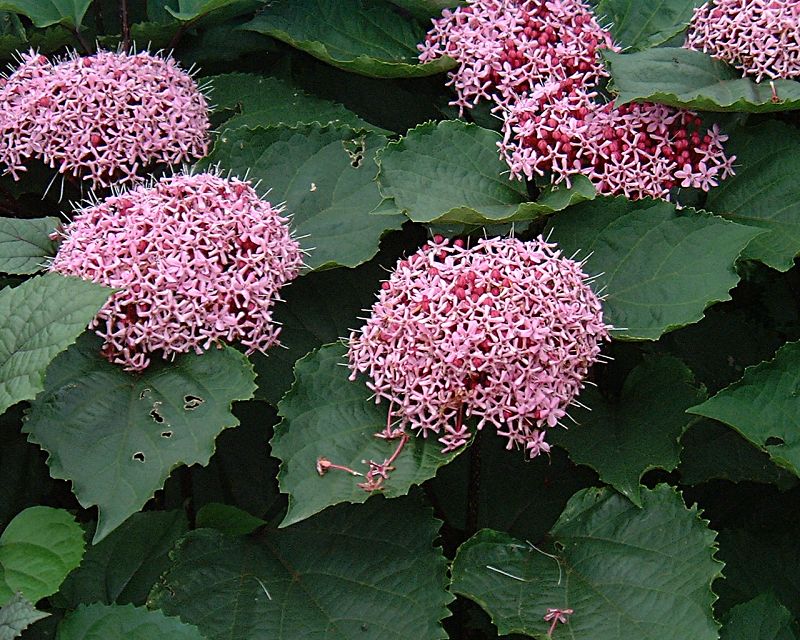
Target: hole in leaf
155, 415
192, 402
145, 392
166, 434
355, 150
774, 441
138, 456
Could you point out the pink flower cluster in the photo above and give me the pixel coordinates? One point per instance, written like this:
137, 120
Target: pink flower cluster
198, 259
504, 331
759, 37
637, 150
539, 62
101, 118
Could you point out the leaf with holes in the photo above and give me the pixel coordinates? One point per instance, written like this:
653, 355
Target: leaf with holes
123, 621
367, 38
763, 406
354, 573
762, 618
432, 184
263, 101
38, 548
123, 567
39, 319
641, 25
25, 245
624, 571
44, 13
117, 436
660, 267
327, 415
326, 177
764, 192
16, 616
692, 79
624, 439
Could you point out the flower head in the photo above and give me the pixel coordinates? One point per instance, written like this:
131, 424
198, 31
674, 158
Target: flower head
504, 331
759, 37
506, 47
103, 117
198, 259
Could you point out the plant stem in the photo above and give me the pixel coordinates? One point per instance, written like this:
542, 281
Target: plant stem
474, 486
82, 41
126, 27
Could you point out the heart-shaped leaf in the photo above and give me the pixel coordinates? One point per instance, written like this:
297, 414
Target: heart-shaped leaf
44, 13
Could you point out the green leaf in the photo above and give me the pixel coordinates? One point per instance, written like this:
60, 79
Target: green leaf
38, 548
713, 451
627, 572
431, 183
326, 177
227, 519
44, 13
363, 37
123, 567
763, 406
263, 101
661, 267
624, 439
641, 25
356, 573
326, 415
764, 192
25, 244
123, 621
117, 435
194, 9
549, 482
423, 9
16, 616
39, 319
762, 618
685, 78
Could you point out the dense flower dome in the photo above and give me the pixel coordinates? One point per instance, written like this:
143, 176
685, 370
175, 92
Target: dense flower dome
101, 118
198, 259
506, 47
504, 331
759, 37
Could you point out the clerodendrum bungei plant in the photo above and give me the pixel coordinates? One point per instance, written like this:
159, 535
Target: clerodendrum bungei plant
399, 319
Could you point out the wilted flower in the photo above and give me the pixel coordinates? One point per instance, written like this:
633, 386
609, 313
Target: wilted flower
759, 37
504, 331
506, 47
638, 150
103, 117
198, 259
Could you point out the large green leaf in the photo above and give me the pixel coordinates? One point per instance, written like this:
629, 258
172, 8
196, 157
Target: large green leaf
426, 8
25, 244
263, 101
16, 616
194, 9
369, 572
365, 37
431, 182
326, 415
764, 192
764, 406
326, 177
39, 319
661, 267
686, 78
117, 435
640, 431
762, 618
38, 548
123, 567
113, 622
625, 571
641, 25
44, 13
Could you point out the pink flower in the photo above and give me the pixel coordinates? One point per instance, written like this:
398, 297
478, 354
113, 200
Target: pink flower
102, 118
198, 260
759, 37
504, 331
